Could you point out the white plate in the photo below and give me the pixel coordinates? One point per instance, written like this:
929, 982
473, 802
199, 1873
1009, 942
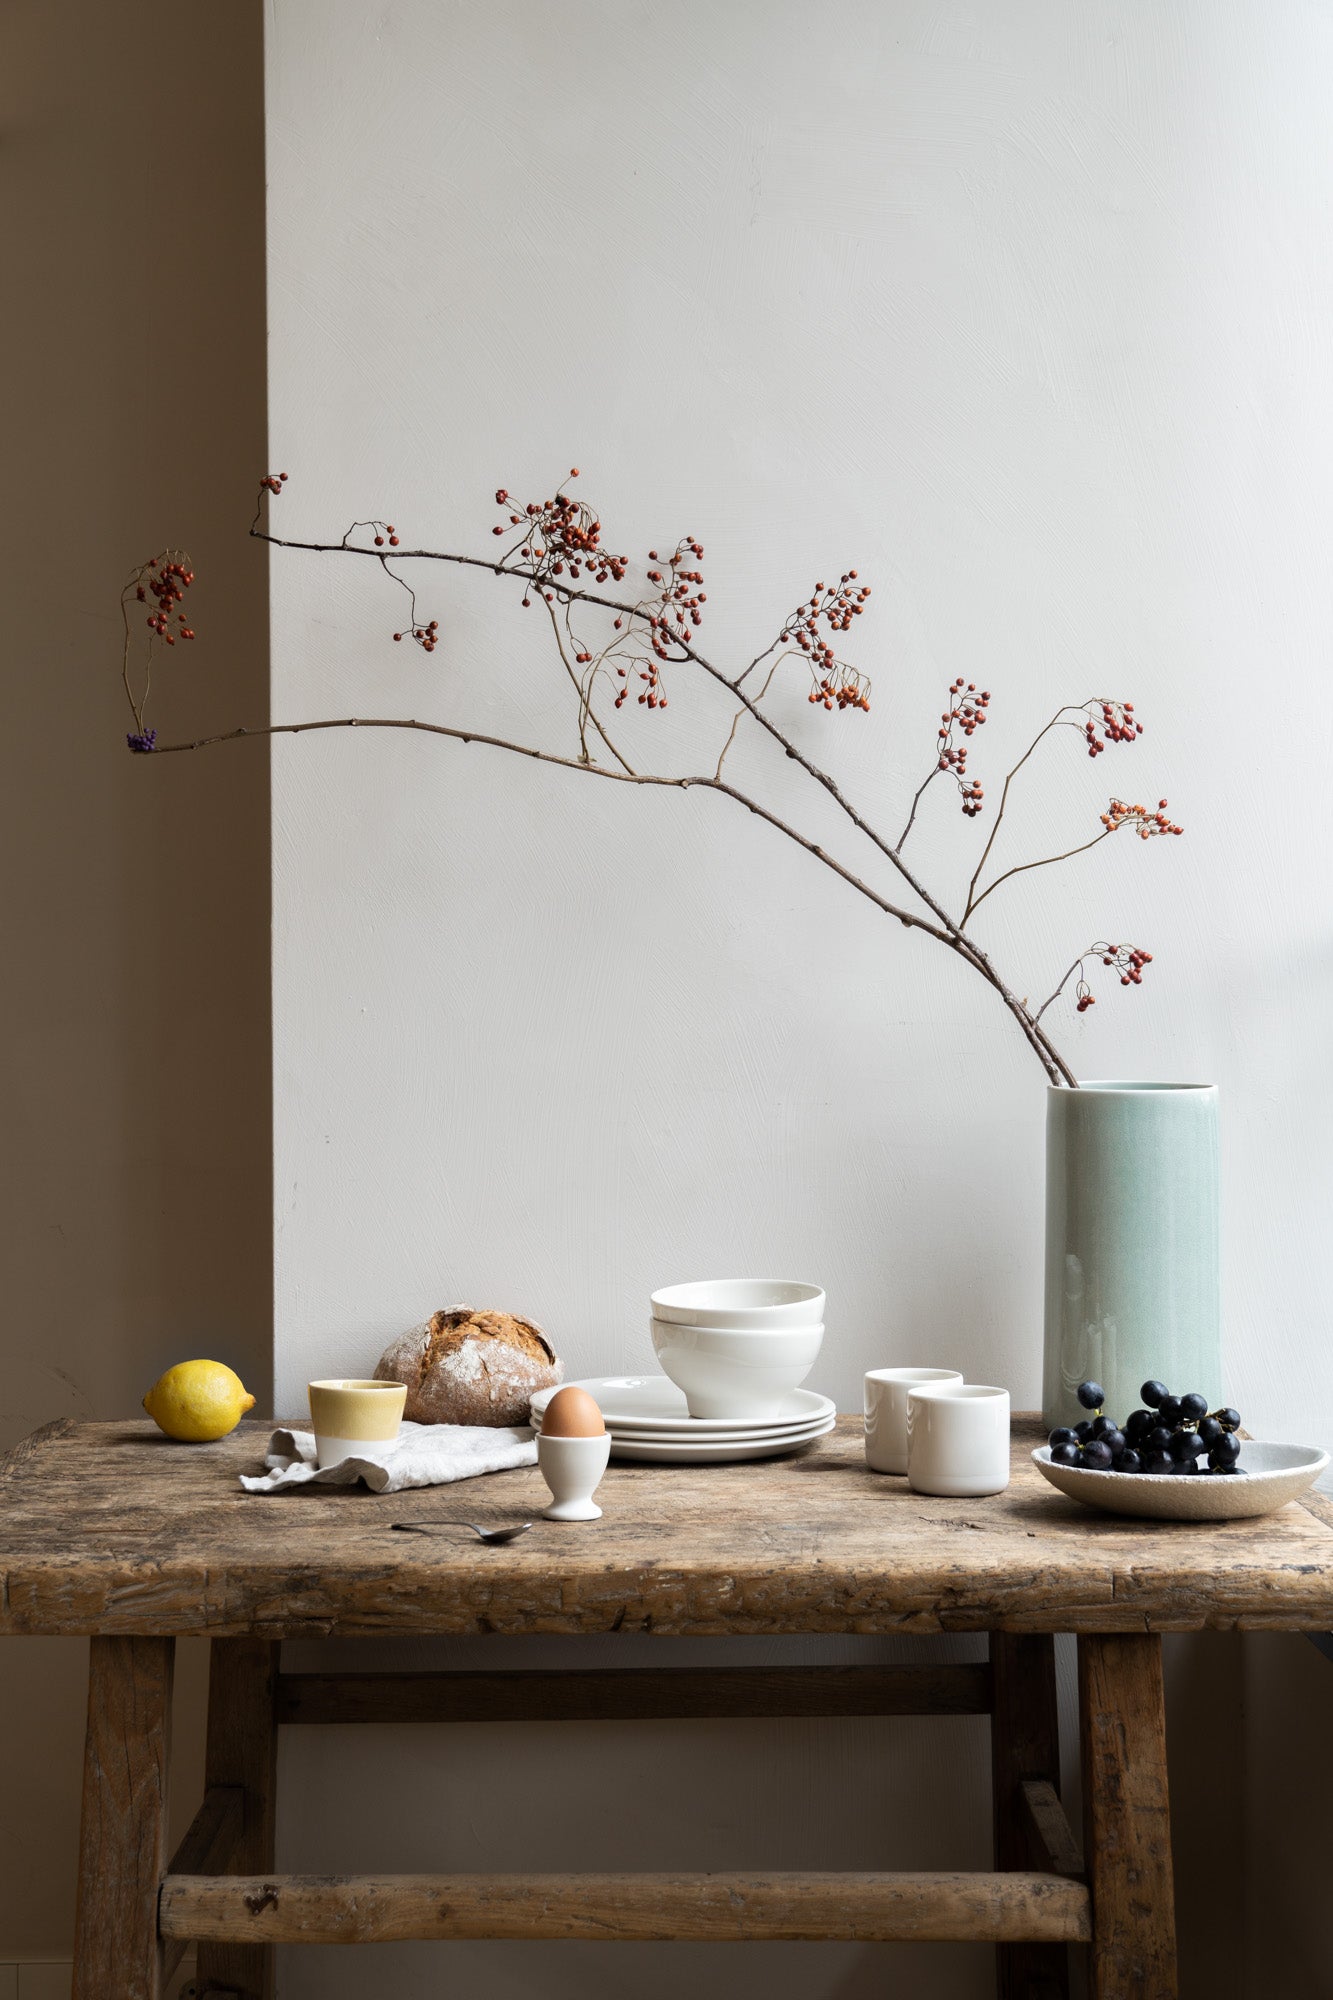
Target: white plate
652, 1403
777, 1434
711, 1451
1274, 1474
735, 1435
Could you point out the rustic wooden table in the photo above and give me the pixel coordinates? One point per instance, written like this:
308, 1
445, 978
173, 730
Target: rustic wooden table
109, 1531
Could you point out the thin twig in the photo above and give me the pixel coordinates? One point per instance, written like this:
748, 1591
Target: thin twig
1022, 867
1070, 708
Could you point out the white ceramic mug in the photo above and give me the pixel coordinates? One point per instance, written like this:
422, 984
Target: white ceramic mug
957, 1438
886, 1412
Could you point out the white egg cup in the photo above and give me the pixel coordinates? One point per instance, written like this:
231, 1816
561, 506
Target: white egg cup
572, 1467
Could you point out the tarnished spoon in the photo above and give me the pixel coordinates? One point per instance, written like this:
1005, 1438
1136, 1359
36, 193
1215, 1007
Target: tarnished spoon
492, 1535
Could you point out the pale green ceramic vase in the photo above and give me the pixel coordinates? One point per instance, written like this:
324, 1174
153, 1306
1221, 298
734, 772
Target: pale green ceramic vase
1133, 1279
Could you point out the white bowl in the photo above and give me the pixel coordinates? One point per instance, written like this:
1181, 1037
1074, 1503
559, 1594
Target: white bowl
1272, 1475
740, 1302
735, 1372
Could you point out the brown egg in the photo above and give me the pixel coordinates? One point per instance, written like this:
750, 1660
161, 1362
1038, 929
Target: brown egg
572, 1413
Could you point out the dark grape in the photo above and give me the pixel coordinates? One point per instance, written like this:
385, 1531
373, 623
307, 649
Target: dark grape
1062, 1435
1210, 1430
1115, 1441
1193, 1406
1097, 1455
1154, 1394
1138, 1424
1186, 1465
1185, 1445
1229, 1419
1091, 1395
1128, 1461
1083, 1431
1066, 1454
1225, 1451
1103, 1426
1159, 1439
1157, 1461
1169, 1411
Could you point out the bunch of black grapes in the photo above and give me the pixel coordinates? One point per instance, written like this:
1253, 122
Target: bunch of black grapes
1170, 1434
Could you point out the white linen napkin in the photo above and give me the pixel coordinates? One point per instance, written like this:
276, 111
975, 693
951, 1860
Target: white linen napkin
421, 1455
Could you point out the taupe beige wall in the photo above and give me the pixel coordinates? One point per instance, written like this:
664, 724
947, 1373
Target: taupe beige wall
134, 1001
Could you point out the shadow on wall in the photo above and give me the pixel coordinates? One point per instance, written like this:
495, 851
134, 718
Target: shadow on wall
136, 1213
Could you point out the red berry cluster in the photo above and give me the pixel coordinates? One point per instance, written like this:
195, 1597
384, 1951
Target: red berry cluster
558, 537
966, 713
836, 607
1127, 959
426, 636
384, 531
1145, 823
681, 597
167, 583
653, 694
1109, 722
273, 482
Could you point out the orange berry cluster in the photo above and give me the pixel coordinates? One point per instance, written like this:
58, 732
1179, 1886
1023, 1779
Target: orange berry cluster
273, 482
1127, 959
966, 713
384, 531
1148, 825
680, 599
558, 537
1113, 723
167, 583
844, 685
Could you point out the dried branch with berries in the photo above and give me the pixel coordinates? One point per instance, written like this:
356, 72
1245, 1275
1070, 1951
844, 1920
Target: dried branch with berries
611, 647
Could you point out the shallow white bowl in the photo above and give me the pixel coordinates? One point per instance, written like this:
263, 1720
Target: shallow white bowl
740, 1302
735, 1372
1274, 1474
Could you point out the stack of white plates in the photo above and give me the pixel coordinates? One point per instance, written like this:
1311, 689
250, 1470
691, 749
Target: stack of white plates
648, 1421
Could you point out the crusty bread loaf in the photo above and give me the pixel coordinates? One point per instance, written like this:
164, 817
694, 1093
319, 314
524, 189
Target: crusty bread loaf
466, 1367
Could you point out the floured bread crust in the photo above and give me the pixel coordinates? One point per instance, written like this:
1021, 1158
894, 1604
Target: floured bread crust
466, 1367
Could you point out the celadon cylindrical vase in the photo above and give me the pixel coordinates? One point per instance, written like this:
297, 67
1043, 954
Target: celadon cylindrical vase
1133, 1269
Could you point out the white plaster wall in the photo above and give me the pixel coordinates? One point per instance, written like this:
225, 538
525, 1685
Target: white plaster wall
1022, 309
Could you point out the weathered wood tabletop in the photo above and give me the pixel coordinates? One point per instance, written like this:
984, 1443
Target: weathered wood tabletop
110, 1528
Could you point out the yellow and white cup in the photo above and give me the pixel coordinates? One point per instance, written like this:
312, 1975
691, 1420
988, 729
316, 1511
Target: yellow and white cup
350, 1418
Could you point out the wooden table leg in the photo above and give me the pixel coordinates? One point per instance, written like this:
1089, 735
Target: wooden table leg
122, 1837
241, 1750
1127, 1830
1025, 1743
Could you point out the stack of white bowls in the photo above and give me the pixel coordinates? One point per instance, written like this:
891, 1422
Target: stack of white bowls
738, 1347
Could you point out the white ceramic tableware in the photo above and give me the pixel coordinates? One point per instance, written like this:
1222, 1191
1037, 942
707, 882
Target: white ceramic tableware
1273, 1474
737, 1435
572, 1467
650, 1424
735, 1372
350, 1417
957, 1438
713, 1451
633, 1403
740, 1302
886, 1412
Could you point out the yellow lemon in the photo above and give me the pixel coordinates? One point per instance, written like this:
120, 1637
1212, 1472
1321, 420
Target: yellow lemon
198, 1401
